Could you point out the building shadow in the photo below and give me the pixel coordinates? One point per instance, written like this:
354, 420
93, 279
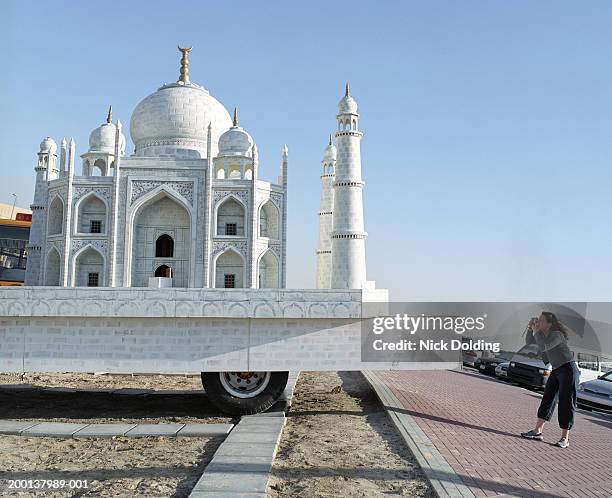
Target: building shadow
92, 406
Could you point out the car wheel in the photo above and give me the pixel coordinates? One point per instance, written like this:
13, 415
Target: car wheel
244, 393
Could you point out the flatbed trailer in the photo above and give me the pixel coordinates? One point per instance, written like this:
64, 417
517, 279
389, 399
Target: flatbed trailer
243, 341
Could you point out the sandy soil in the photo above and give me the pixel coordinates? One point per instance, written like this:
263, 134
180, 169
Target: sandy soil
120, 466
96, 381
342, 444
99, 407
112, 467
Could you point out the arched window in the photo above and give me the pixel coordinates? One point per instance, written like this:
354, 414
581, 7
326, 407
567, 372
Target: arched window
99, 168
220, 173
164, 271
230, 218
235, 171
229, 270
89, 268
91, 215
164, 247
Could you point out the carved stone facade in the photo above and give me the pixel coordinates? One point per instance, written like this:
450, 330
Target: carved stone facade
141, 187
126, 216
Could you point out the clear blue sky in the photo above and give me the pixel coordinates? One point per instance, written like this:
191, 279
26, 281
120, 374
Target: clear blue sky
487, 151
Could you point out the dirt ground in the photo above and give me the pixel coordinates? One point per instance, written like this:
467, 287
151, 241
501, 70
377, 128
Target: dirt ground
102, 381
139, 467
143, 467
340, 442
99, 407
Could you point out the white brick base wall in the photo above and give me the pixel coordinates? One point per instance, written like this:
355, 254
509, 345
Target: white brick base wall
48, 329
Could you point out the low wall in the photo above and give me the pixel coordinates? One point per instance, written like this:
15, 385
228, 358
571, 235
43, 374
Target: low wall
141, 330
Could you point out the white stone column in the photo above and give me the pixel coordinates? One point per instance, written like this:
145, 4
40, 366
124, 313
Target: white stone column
112, 278
253, 239
208, 195
63, 158
66, 276
284, 169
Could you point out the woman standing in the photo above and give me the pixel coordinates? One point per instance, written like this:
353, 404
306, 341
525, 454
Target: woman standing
551, 337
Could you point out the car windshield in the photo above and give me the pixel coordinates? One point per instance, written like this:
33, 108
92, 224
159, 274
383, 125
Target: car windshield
504, 355
607, 376
530, 351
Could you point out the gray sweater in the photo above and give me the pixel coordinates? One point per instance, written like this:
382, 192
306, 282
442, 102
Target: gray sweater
555, 346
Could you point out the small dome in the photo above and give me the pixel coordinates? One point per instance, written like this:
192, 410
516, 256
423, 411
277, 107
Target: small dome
103, 139
347, 104
48, 145
235, 141
330, 153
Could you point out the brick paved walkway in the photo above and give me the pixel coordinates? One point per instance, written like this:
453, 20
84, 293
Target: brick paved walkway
473, 422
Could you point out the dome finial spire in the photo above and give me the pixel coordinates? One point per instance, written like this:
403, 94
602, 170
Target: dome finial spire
330, 139
184, 77
235, 116
109, 116
348, 90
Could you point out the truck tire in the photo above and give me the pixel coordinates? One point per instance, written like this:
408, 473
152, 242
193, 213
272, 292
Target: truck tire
244, 393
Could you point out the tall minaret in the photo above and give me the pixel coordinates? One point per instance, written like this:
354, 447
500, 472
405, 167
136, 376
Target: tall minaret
283, 182
46, 163
324, 250
348, 236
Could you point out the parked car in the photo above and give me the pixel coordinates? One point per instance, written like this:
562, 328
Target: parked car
488, 365
469, 358
501, 370
527, 367
596, 394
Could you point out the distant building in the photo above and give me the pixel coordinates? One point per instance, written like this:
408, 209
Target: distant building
10, 212
14, 235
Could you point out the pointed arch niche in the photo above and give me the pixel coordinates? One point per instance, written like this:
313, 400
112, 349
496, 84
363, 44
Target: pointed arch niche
161, 235
92, 214
229, 270
267, 271
52, 268
88, 268
230, 217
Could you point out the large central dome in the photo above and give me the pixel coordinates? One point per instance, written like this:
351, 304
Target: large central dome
173, 121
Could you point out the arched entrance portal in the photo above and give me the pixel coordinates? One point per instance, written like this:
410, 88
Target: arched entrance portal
161, 238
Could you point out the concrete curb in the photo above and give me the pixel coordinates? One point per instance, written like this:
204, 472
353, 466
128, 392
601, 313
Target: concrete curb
67, 430
445, 482
242, 464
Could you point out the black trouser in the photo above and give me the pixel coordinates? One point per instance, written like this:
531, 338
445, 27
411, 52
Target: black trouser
561, 386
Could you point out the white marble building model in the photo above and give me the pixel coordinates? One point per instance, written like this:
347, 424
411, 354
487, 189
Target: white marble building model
186, 209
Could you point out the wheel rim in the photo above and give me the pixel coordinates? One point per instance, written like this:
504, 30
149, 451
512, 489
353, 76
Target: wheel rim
244, 384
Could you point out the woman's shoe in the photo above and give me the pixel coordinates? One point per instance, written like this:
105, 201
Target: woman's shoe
562, 443
533, 435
